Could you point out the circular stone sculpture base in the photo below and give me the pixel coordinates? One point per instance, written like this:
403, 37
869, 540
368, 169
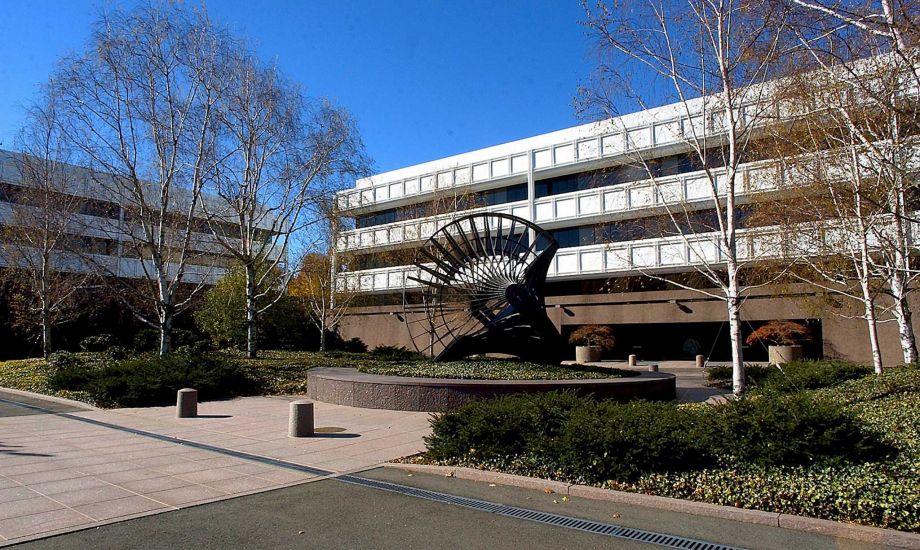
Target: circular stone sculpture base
403, 393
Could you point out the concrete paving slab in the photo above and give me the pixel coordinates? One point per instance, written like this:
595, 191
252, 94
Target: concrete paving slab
62, 472
128, 506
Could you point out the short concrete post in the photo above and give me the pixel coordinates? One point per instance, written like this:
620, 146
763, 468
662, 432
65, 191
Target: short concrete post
700, 361
653, 367
300, 423
187, 403
632, 360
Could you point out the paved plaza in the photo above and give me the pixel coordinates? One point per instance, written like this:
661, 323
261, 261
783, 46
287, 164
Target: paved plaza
142, 478
59, 473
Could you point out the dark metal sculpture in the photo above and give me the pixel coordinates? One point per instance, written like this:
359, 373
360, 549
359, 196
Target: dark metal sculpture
482, 280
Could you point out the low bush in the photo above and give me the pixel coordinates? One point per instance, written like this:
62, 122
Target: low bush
148, 339
793, 429
150, 381
99, 342
396, 353
899, 380
487, 430
596, 442
621, 441
352, 345
722, 376
792, 377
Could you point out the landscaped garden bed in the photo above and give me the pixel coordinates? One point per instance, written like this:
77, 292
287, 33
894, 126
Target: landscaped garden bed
487, 369
848, 451
98, 378
116, 377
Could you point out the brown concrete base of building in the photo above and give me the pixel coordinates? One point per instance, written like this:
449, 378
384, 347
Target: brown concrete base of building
356, 389
661, 316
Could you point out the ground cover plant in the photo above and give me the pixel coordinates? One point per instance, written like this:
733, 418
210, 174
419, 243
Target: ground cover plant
849, 451
492, 369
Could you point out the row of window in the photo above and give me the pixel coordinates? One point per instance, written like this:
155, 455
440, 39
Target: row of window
480, 199
651, 227
616, 175
627, 173
18, 194
85, 244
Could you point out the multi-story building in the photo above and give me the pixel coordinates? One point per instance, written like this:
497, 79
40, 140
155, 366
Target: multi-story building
101, 225
584, 186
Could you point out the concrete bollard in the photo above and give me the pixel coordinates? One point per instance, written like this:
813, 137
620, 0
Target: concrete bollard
187, 403
300, 423
700, 361
632, 360
653, 367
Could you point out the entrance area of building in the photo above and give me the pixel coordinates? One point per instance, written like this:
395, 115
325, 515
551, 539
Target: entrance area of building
678, 341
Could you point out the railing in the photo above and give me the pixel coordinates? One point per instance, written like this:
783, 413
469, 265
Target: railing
644, 194
616, 258
418, 229
634, 139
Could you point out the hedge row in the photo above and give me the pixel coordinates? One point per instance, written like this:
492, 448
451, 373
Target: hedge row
113, 381
848, 452
599, 442
792, 377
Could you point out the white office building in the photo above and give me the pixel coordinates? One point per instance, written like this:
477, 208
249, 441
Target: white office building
584, 185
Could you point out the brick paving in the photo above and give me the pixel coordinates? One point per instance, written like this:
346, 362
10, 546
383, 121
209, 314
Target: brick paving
59, 474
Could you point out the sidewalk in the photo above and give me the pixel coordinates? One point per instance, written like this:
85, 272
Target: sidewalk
58, 473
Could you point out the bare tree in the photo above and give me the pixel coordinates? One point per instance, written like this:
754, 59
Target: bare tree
316, 284
139, 105
41, 223
713, 58
866, 57
281, 156
828, 222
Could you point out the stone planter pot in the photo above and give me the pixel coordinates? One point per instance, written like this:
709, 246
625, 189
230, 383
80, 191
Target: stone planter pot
780, 355
587, 354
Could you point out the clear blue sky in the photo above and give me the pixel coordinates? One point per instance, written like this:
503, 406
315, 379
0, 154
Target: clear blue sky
424, 78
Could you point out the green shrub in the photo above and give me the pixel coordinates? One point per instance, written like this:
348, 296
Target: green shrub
792, 429
792, 377
353, 345
151, 381
621, 441
722, 376
810, 375
594, 442
396, 353
500, 427
63, 360
898, 380
99, 342
148, 339
68, 372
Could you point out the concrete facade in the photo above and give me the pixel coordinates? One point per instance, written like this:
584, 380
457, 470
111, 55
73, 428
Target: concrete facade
579, 182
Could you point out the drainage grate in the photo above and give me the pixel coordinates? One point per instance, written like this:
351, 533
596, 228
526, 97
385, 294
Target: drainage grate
589, 526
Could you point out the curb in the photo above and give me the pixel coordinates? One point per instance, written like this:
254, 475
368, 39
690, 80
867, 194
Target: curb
44, 397
862, 533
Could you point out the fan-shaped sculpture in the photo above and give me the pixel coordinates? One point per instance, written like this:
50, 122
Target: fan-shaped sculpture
482, 281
